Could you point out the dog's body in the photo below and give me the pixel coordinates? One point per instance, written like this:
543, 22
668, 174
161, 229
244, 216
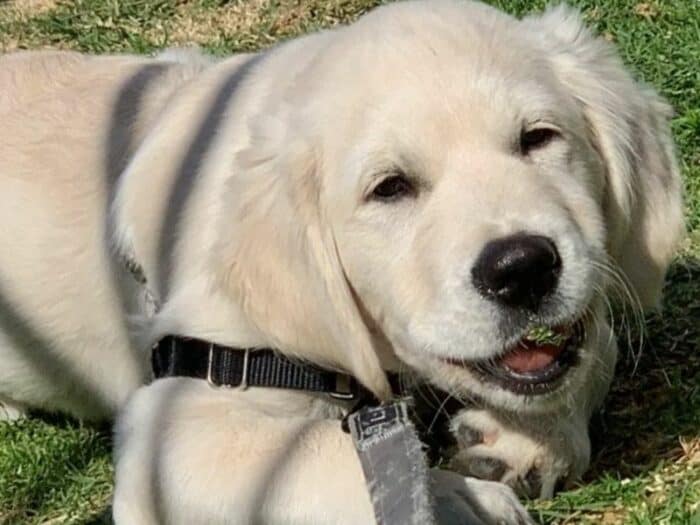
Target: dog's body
219, 200
70, 125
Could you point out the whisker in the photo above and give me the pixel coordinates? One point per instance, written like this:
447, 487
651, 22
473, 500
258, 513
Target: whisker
440, 409
630, 304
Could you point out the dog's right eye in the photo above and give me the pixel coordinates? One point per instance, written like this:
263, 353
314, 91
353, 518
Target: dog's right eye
392, 188
536, 138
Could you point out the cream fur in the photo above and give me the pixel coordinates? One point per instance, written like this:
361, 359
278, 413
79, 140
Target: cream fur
238, 186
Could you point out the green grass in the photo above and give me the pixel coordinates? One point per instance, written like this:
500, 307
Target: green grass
53, 471
647, 466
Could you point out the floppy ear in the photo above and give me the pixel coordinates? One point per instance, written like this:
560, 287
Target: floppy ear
281, 260
629, 125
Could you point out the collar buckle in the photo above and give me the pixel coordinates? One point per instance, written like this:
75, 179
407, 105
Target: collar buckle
243, 385
344, 388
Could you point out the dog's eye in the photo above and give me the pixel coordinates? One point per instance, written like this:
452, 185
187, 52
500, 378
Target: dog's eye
536, 138
392, 188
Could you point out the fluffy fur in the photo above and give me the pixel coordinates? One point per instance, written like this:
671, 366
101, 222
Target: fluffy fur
239, 190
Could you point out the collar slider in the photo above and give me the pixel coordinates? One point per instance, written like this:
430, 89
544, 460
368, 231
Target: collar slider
344, 388
243, 385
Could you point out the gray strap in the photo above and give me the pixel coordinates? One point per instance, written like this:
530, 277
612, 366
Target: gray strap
394, 464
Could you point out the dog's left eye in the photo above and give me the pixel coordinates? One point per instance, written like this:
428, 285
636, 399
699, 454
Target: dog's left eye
536, 138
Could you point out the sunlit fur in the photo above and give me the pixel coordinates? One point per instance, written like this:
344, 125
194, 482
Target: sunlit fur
240, 187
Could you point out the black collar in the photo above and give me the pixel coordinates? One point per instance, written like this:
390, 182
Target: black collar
228, 367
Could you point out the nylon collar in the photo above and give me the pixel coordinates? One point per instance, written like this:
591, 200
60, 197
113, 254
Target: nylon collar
231, 367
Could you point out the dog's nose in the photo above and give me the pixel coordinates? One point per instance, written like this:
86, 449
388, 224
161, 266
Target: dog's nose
518, 270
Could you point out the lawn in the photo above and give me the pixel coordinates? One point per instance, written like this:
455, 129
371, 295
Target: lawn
646, 467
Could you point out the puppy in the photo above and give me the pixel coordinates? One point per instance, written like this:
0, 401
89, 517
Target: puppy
418, 190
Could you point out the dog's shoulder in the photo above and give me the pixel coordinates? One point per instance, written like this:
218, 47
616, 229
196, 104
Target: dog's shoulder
30, 77
27, 74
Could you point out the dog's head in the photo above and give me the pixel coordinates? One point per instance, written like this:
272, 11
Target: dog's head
439, 182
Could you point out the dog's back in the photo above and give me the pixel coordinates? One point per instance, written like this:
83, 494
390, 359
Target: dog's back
68, 125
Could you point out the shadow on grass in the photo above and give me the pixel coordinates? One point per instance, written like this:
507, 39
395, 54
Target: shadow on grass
64, 422
53, 468
651, 406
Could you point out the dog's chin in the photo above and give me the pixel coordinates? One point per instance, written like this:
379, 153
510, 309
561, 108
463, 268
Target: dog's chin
525, 370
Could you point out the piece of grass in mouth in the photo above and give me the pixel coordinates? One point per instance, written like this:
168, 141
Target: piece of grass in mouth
544, 335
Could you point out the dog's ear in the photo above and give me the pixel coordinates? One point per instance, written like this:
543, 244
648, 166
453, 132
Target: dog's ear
281, 261
629, 126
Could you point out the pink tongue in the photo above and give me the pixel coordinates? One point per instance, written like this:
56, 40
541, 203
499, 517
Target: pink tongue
530, 357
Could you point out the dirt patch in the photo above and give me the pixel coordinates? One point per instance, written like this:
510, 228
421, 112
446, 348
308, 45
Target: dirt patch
257, 23
193, 25
28, 8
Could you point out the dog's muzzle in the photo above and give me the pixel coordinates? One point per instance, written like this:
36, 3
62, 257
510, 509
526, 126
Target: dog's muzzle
531, 367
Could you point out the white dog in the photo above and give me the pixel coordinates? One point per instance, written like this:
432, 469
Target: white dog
419, 189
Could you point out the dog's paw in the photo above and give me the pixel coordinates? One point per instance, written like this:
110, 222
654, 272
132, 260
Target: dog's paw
468, 501
535, 459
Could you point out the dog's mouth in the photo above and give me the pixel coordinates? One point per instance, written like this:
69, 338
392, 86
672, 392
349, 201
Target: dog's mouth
536, 363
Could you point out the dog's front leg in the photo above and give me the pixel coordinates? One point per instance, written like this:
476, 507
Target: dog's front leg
189, 454
534, 457
536, 452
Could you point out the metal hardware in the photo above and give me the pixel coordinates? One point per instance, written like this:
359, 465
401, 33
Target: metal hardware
343, 388
243, 385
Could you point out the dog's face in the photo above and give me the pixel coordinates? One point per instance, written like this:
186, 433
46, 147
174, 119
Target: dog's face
478, 177
467, 201
463, 220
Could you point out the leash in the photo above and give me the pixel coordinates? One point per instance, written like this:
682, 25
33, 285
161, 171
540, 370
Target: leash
394, 463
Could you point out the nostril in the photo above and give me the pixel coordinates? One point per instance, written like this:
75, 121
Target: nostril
518, 270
